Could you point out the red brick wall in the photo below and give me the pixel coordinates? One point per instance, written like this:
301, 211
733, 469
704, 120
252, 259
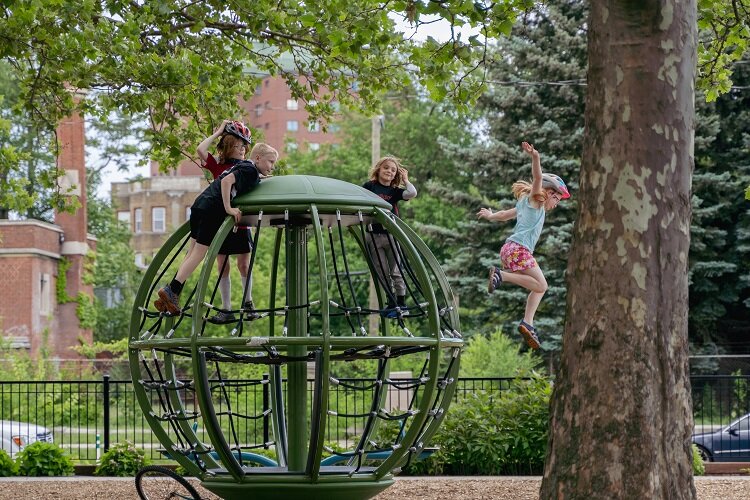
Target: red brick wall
29, 253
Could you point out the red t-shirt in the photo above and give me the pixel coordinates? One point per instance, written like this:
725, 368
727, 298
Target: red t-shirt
212, 166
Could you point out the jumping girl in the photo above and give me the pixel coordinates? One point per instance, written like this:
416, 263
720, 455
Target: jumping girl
519, 265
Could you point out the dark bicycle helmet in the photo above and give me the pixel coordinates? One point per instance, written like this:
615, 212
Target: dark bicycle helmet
553, 181
239, 130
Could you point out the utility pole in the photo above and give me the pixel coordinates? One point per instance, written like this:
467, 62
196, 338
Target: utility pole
377, 122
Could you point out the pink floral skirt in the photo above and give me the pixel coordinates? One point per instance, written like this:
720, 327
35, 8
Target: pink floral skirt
516, 257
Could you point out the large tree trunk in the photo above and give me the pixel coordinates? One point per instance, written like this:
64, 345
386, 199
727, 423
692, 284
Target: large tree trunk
621, 410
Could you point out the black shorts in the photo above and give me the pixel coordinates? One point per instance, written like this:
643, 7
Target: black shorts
205, 224
238, 242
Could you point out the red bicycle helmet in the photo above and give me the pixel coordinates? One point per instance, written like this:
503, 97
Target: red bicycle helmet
239, 130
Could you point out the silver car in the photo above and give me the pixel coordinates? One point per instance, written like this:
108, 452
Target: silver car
15, 436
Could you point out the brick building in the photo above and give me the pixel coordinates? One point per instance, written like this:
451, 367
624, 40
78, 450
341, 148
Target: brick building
154, 207
36, 258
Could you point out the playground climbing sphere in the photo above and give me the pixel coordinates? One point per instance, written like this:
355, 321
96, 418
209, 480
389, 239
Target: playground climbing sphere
315, 229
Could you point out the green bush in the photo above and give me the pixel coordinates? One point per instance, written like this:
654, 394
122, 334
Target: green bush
698, 467
7, 466
43, 459
505, 434
121, 460
486, 434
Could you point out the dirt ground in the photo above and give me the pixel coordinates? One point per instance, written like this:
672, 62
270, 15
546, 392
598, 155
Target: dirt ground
407, 488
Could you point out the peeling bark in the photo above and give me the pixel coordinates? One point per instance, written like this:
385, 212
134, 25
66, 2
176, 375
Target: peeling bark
621, 411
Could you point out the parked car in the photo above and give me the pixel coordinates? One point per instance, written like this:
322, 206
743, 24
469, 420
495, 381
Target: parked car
728, 444
15, 436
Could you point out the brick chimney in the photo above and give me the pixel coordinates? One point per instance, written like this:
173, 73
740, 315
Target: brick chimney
75, 243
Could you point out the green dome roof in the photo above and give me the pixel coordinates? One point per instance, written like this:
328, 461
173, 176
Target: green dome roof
309, 189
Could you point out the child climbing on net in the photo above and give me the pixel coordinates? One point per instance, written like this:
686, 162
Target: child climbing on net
518, 264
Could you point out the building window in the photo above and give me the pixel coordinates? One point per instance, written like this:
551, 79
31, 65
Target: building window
333, 128
313, 146
45, 290
291, 146
292, 125
258, 109
138, 217
292, 104
267, 126
158, 219
267, 81
124, 217
313, 127
258, 89
268, 104
139, 259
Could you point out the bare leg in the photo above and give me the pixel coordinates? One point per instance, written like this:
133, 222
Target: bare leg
191, 262
531, 279
538, 286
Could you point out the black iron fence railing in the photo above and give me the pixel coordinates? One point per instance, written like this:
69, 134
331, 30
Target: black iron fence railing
87, 417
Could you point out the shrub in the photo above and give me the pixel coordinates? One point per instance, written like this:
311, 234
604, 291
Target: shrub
486, 434
43, 459
504, 434
7, 466
698, 467
121, 460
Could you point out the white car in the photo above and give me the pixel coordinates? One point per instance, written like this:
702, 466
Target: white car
15, 436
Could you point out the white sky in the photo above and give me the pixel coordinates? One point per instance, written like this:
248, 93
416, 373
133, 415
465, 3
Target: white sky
438, 30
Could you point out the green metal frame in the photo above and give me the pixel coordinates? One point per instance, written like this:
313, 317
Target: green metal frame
299, 447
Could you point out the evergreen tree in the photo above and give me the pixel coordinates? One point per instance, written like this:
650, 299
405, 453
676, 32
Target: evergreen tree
720, 229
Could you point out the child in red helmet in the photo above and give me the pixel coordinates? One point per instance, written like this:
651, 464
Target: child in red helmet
213, 205
519, 265
234, 141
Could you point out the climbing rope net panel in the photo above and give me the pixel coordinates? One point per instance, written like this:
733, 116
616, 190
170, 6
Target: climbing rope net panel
317, 232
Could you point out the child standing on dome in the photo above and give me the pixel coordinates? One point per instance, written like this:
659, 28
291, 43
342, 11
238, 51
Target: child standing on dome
386, 179
519, 265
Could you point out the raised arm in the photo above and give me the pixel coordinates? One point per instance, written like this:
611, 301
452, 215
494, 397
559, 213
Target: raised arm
536, 168
203, 146
410, 191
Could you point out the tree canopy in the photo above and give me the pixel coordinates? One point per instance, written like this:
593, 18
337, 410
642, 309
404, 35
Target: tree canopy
181, 65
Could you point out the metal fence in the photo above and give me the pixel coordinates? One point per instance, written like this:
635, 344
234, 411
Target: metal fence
86, 417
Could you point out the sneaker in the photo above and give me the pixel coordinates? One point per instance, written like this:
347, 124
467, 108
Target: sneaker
495, 278
170, 302
222, 318
249, 309
401, 304
389, 311
528, 332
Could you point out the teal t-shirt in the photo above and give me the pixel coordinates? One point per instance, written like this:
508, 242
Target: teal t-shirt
529, 222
